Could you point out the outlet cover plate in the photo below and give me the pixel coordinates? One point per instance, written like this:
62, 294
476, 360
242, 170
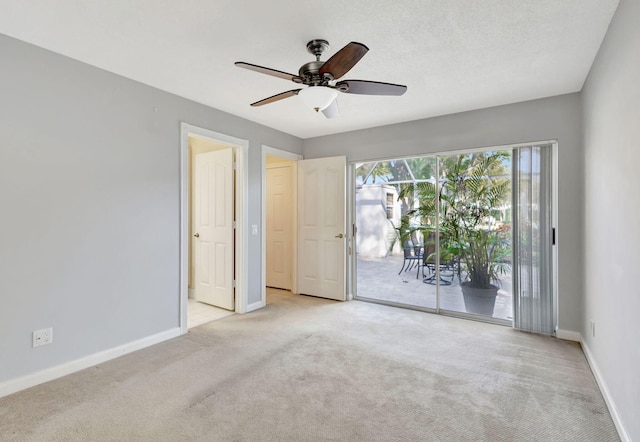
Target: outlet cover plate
42, 337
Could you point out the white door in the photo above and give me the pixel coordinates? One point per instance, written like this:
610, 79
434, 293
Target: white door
321, 227
279, 226
213, 228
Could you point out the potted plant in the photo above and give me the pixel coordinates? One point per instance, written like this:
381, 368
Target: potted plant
472, 189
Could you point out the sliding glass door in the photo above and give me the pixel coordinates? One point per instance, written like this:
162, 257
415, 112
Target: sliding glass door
465, 234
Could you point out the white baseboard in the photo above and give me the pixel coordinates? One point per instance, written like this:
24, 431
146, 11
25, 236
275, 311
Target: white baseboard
622, 432
569, 335
49, 374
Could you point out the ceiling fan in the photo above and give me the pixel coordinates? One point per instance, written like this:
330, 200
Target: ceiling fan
321, 78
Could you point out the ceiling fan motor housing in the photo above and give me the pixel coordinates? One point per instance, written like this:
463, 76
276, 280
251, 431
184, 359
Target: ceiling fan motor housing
310, 74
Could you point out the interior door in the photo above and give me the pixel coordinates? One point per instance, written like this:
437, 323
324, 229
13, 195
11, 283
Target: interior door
279, 225
214, 228
322, 227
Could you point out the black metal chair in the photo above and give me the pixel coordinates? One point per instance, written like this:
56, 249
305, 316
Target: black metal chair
446, 272
446, 269
412, 256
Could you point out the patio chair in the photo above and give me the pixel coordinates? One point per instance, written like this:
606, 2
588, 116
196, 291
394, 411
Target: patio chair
412, 256
429, 258
446, 268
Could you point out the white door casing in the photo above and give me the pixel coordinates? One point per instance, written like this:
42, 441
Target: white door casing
322, 227
279, 225
214, 231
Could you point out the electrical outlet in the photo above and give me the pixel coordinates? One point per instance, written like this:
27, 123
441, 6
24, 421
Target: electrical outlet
42, 337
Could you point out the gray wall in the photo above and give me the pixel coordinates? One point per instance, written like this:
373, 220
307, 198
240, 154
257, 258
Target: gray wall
89, 196
611, 99
550, 118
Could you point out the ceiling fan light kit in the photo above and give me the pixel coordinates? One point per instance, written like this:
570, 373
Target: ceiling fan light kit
320, 78
318, 97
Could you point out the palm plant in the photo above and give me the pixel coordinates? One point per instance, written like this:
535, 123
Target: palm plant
468, 200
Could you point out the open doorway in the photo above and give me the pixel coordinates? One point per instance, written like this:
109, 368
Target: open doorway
280, 225
318, 224
279, 220
212, 232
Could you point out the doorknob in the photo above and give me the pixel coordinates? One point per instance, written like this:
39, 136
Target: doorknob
197, 235
340, 235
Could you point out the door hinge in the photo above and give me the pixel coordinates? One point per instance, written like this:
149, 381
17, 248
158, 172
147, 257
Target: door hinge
234, 224
234, 165
233, 284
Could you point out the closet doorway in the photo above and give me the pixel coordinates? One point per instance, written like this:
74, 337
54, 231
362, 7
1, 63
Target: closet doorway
279, 219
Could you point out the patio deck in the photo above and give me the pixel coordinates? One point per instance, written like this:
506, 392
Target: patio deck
378, 278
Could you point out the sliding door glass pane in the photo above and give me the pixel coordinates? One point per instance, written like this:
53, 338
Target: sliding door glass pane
474, 269
392, 233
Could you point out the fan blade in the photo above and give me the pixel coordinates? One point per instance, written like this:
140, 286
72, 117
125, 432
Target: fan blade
342, 61
277, 97
268, 71
332, 111
365, 87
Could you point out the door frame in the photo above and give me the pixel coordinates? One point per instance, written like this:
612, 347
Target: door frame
267, 150
241, 149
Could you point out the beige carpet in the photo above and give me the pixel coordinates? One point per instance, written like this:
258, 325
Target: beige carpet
306, 369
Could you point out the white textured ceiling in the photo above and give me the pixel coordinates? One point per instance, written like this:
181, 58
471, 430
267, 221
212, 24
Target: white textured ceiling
453, 55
